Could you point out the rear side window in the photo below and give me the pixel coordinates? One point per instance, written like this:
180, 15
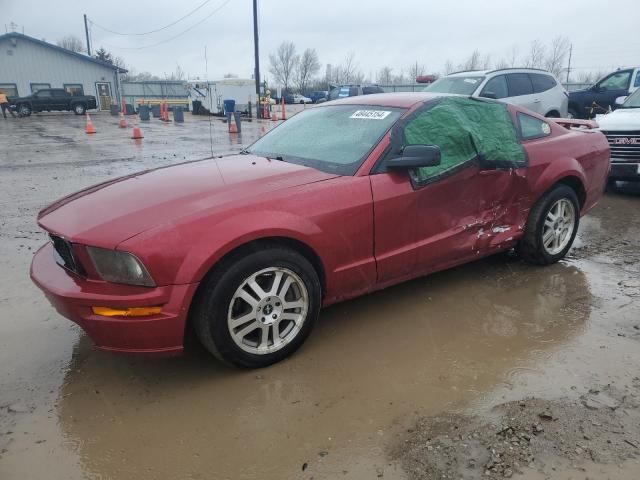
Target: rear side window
542, 82
496, 88
519, 84
531, 127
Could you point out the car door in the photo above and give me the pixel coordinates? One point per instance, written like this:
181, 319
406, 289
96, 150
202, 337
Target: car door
41, 100
464, 208
609, 88
521, 92
60, 99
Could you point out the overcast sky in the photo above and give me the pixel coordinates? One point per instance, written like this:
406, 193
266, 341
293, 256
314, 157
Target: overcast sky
397, 33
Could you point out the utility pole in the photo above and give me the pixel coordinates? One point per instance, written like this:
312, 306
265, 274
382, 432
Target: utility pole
257, 56
86, 32
569, 66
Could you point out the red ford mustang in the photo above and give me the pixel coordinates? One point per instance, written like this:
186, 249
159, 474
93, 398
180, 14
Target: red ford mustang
340, 200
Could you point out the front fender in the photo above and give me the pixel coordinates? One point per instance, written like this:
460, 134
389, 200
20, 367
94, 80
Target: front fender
177, 254
242, 229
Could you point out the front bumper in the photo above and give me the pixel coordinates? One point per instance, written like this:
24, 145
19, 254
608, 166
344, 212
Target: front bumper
624, 171
73, 297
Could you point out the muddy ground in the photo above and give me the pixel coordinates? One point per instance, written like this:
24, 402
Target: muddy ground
483, 371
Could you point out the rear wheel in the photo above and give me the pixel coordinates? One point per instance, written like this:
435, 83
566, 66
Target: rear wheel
551, 227
259, 309
79, 109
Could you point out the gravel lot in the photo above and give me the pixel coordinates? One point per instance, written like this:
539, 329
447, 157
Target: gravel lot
495, 369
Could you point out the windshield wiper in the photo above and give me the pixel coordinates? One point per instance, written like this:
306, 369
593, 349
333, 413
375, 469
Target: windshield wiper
244, 152
279, 157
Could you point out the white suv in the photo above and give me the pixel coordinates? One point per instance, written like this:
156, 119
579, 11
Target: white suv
536, 90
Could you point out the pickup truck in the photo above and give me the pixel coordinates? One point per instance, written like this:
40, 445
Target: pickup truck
601, 97
53, 99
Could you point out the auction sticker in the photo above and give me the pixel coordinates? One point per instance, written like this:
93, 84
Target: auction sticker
370, 114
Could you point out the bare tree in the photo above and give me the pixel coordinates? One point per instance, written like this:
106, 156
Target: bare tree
415, 70
512, 59
177, 74
536, 56
503, 63
384, 76
486, 62
308, 66
349, 69
554, 62
119, 62
71, 42
283, 63
448, 67
474, 62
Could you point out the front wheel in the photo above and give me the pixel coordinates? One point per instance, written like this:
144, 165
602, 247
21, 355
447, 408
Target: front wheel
572, 113
551, 227
259, 309
24, 110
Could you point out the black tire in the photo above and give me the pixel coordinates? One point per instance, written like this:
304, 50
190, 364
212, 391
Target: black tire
24, 109
552, 114
612, 186
212, 303
301, 102
79, 108
531, 247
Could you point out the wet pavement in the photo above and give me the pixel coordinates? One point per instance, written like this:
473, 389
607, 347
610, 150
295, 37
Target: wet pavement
460, 341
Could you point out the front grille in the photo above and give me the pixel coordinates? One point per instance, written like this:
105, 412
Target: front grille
625, 146
64, 256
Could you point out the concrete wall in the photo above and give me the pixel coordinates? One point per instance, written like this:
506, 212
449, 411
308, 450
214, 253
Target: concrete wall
23, 62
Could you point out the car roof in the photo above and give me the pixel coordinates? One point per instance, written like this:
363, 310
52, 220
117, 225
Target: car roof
466, 73
398, 99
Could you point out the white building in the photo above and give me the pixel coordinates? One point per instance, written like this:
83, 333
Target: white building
28, 64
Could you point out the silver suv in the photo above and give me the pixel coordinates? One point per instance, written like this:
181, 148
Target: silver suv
536, 90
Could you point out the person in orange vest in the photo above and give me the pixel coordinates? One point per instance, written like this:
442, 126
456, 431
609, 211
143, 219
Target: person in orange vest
4, 104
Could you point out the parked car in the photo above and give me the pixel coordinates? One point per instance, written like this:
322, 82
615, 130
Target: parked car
245, 249
344, 91
51, 99
297, 98
622, 128
533, 89
318, 95
599, 98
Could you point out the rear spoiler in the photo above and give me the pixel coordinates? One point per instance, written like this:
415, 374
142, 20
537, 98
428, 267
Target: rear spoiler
573, 122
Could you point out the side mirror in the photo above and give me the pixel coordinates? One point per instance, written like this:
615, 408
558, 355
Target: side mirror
620, 100
416, 156
489, 95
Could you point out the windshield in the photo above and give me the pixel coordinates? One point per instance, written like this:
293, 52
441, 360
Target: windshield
632, 101
334, 139
461, 85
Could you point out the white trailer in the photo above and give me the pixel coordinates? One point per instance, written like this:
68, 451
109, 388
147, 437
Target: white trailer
212, 94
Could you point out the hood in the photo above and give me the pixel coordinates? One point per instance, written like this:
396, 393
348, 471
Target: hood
622, 119
107, 214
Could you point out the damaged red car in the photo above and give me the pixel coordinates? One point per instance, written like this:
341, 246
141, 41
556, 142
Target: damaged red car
340, 200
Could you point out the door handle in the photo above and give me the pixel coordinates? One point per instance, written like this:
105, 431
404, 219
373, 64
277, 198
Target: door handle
488, 173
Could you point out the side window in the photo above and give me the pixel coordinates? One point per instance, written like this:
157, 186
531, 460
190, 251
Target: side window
542, 82
39, 86
495, 88
43, 94
617, 81
9, 89
531, 127
637, 82
466, 130
519, 84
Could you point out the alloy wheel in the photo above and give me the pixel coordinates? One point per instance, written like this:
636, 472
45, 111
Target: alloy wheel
267, 310
558, 226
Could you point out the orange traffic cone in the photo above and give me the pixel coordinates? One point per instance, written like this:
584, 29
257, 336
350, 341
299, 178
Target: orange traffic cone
284, 113
233, 128
90, 128
123, 121
137, 132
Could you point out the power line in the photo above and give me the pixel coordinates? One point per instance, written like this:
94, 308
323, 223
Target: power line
175, 36
157, 29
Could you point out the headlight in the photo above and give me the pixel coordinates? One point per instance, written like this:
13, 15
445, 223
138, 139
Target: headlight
120, 267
